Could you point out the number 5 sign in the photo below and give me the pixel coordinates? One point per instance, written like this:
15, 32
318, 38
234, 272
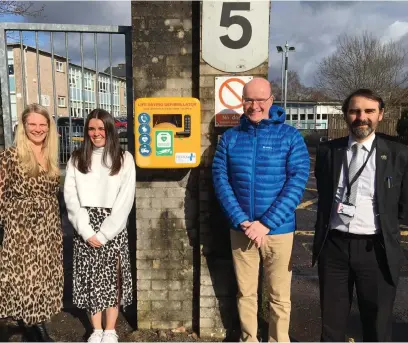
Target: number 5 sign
235, 34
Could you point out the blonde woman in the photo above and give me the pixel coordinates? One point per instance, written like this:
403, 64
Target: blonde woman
31, 269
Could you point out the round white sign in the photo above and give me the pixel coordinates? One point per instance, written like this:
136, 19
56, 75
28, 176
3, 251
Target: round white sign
235, 34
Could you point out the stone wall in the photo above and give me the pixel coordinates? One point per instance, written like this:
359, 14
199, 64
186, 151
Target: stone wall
166, 211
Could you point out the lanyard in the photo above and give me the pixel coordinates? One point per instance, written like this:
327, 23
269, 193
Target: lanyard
357, 175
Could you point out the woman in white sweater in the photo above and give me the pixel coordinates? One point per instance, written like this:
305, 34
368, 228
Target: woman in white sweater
99, 193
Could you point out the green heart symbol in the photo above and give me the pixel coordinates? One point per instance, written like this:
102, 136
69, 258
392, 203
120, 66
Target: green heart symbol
163, 138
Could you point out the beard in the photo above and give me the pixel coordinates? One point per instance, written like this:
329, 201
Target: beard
359, 131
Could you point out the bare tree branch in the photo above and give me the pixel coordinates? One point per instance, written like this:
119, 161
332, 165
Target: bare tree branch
296, 90
20, 8
364, 62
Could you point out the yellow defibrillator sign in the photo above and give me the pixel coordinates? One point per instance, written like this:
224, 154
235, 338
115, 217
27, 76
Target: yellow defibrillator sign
167, 132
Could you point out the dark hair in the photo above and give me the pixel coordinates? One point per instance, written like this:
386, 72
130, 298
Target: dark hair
365, 93
82, 158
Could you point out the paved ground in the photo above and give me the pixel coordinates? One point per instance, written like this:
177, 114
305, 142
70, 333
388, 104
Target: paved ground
73, 325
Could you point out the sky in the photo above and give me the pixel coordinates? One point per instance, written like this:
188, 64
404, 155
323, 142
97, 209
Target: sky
311, 27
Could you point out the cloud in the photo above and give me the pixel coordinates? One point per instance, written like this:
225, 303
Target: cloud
84, 12
313, 28
321, 5
395, 31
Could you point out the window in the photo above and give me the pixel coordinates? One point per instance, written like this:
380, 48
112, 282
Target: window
61, 101
103, 87
72, 81
76, 112
324, 116
310, 116
11, 69
59, 66
302, 117
12, 82
294, 117
88, 109
89, 84
45, 100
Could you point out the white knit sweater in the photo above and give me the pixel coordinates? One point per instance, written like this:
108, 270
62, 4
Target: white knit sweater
98, 189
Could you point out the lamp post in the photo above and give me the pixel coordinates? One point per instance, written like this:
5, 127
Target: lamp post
280, 51
286, 50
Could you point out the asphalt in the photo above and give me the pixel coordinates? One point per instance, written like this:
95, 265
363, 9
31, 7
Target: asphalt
73, 325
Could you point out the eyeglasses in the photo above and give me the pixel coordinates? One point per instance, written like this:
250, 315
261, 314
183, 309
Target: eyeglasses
249, 101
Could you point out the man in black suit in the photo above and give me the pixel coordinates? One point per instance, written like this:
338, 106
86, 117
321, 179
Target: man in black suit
362, 182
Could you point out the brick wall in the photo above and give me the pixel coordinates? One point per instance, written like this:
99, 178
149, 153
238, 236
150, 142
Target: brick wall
45, 78
166, 208
165, 241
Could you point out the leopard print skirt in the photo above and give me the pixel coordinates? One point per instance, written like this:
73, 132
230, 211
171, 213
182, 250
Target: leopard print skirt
101, 276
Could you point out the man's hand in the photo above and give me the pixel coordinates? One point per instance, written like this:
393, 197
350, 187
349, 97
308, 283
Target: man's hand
256, 231
259, 241
245, 225
94, 242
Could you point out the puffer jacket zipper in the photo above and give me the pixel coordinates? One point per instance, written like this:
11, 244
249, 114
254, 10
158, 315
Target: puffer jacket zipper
254, 146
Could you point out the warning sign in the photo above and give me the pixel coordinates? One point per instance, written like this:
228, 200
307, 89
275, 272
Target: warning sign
228, 99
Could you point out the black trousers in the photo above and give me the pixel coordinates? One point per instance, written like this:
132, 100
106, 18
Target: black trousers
347, 260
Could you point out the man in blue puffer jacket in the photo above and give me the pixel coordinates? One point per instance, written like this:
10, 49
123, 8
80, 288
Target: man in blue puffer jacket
260, 170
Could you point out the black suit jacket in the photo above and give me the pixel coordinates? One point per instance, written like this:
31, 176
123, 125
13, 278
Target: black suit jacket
391, 161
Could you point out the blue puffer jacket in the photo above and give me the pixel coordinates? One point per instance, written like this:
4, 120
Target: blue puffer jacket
260, 172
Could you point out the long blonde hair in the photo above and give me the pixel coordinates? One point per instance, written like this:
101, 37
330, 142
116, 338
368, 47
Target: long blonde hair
50, 144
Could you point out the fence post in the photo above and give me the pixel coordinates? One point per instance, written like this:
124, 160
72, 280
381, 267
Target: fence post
1, 128
4, 92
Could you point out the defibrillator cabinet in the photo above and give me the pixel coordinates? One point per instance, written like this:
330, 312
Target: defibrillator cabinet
167, 132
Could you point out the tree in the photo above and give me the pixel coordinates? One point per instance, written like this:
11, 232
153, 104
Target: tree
296, 90
20, 8
402, 124
364, 62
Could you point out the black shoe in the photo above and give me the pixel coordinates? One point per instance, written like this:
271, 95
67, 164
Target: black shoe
4, 335
29, 335
41, 333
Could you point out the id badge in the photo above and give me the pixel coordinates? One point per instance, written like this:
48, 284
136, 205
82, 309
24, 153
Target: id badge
346, 209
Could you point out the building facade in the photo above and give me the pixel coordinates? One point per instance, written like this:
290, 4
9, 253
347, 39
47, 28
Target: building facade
308, 115
71, 97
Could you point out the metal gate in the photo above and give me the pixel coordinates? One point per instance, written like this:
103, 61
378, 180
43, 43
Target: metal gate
69, 90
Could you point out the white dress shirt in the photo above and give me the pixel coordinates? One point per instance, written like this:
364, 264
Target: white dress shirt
365, 220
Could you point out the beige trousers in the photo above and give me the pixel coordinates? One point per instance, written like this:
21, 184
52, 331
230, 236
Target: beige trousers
276, 253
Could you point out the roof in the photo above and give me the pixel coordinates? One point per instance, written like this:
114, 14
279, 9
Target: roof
31, 48
118, 71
